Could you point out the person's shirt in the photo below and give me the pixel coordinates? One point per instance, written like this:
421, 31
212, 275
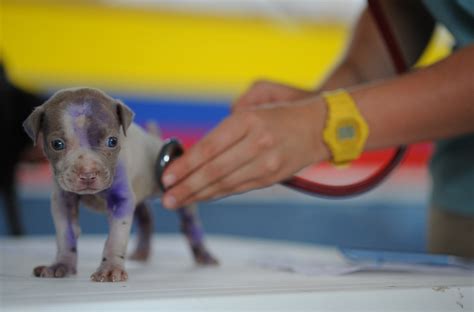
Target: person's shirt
457, 16
452, 164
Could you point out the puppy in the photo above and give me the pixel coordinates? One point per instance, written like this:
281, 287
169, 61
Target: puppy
101, 159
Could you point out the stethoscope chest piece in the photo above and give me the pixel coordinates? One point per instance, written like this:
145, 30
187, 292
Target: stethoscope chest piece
171, 150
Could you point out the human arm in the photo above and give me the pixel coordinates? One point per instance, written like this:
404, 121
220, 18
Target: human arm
235, 158
432, 103
256, 148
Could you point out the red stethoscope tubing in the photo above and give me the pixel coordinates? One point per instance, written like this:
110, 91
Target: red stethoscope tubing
340, 191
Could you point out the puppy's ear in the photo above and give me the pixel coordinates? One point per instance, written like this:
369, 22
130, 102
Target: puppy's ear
125, 116
33, 123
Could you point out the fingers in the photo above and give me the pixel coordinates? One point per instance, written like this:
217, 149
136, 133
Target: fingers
246, 151
229, 133
225, 135
231, 160
256, 174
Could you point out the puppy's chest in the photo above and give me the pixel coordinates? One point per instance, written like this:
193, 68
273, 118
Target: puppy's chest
95, 202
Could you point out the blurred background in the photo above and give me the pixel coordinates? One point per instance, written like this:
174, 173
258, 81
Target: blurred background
181, 63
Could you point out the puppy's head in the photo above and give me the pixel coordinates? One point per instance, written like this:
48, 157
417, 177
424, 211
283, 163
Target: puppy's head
81, 134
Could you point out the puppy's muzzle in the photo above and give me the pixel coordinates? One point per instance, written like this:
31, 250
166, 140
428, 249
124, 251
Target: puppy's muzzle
88, 178
85, 178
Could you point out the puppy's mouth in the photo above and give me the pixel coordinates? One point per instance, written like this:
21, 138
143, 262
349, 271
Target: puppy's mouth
79, 186
88, 190
84, 190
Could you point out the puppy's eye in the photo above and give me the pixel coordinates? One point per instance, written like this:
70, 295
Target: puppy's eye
58, 144
112, 142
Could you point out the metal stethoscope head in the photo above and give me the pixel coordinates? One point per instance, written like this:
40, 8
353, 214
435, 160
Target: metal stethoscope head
170, 150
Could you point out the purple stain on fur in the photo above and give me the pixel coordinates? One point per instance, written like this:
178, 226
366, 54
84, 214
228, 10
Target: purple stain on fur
190, 227
91, 131
119, 196
69, 201
76, 111
98, 127
71, 237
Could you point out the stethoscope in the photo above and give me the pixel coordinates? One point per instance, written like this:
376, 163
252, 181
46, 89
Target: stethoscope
172, 148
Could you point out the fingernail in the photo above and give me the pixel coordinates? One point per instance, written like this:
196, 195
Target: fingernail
169, 201
168, 180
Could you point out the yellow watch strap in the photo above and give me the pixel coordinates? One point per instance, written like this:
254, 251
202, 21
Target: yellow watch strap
346, 130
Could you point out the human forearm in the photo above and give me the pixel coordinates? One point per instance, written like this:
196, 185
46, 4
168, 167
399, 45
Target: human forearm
260, 146
429, 104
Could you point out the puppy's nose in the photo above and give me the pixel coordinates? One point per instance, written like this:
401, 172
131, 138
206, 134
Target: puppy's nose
88, 177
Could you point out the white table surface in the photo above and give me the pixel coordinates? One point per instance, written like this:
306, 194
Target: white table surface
171, 282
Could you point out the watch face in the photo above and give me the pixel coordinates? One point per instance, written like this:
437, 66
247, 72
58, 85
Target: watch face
347, 131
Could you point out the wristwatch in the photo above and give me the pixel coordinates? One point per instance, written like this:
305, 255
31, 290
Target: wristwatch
346, 131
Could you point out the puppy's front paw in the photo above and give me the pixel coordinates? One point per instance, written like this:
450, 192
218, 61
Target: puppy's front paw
110, 273
55, 270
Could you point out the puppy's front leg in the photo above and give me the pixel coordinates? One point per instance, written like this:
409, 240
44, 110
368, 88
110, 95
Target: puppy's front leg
64, 208
120, 205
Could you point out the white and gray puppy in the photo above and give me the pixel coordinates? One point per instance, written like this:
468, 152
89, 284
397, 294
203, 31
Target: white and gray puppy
101, 159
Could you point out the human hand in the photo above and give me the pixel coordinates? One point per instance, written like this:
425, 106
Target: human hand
248, 150
267, 92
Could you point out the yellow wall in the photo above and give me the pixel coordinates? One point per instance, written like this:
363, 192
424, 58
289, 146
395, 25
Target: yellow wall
53, 44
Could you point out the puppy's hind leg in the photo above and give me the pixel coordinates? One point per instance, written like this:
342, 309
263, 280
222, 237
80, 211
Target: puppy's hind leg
191, 228
144, 221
